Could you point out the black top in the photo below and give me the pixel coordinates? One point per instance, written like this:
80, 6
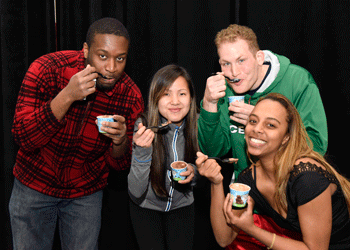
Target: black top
305, 183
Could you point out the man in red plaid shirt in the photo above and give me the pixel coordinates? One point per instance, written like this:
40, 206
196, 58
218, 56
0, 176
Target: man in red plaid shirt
63, 161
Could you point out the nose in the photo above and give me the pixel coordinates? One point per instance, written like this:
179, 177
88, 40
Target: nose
174, 99
235, 70
111, 66
258, 128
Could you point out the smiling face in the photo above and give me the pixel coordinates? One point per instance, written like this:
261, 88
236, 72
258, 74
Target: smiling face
175, 103
238, 62
267, 129
107, 54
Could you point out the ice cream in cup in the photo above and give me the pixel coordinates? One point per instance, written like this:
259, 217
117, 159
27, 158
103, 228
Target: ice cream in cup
178, 167
239, 194
239, 98
103, 118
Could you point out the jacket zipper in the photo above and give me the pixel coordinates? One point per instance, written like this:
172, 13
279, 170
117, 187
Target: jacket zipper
171, 191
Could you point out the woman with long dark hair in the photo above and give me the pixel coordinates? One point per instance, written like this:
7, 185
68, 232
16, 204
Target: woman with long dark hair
162, 209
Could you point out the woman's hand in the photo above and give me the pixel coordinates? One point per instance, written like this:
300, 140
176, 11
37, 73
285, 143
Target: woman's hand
143, 137
209, 168
242, 219
189, 174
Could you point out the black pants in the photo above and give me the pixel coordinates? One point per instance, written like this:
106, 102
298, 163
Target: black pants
163, 230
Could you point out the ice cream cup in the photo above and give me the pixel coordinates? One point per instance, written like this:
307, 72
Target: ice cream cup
239, 98
178, 167
239, 194
103, 118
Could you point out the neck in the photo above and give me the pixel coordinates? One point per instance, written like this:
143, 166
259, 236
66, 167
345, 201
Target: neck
268, 166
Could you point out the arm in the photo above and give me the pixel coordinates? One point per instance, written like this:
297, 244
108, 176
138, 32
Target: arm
138, 178
39, 109
224, 234
310, 193
121, 133
310, 107
79, 86
316, 232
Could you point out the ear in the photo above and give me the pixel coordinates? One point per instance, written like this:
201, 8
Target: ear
260, 57
285, 140
86, 50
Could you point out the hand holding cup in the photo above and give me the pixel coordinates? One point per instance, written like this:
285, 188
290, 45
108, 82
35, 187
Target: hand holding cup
114, 127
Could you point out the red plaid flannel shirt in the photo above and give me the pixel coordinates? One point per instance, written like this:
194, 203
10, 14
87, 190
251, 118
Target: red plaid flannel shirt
68, 158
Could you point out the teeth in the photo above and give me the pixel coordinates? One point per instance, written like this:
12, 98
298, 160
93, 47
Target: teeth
257, 141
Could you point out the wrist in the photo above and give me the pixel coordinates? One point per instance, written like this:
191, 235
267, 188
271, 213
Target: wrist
120, 141
210, 106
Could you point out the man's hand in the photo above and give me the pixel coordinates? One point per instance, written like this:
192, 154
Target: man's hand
82, 84
241, 112
214, 90
79, 86
115, 130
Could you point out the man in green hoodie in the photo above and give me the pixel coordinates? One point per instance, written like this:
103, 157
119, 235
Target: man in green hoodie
250, 72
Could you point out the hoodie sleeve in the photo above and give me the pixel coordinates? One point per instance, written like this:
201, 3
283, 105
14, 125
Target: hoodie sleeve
310, 107
213, 134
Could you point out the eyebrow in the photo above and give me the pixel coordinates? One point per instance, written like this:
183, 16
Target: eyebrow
268, 118
106, 52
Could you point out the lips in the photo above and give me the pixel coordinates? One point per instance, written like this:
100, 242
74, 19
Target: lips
175, 110
234, 80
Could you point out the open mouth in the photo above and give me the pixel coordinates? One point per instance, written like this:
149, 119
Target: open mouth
104, 77
256, 142
234, 80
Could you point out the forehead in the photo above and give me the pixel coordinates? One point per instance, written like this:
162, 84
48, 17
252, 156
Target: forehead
109, 43
235, 49
179, 83
270, 109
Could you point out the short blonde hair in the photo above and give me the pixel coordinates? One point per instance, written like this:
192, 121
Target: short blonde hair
234, 32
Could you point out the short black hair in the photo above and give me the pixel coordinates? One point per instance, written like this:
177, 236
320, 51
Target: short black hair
106, 25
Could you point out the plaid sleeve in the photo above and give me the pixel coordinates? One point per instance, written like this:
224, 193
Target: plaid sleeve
34, 123
136, 108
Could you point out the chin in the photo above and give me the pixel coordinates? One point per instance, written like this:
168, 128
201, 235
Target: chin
104, 88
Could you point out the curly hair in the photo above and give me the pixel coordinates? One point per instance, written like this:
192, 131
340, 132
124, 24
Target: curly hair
106, 25
234, 32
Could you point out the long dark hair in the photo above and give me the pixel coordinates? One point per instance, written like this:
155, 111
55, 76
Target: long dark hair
162, 81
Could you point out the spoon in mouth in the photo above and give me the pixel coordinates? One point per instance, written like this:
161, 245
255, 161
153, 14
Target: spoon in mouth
234, 80
105, 77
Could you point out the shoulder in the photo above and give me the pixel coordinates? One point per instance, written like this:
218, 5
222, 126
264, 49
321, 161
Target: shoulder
61, 58
307, 170
130, 84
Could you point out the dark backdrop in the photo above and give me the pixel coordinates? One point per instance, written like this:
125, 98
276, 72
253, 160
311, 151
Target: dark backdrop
313, 34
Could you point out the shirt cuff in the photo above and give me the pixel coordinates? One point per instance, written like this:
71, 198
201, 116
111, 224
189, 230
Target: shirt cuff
209, 117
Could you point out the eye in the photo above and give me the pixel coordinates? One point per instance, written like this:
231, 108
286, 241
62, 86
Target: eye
103, 57
120, 59
252, 121
270, 125
240, 61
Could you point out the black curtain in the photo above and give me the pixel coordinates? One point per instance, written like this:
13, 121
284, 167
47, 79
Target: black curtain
313, 34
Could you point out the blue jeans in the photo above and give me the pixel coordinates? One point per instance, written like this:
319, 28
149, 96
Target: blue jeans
34, 215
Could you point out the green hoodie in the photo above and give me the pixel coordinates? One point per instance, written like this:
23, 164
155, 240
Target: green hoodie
217, 133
